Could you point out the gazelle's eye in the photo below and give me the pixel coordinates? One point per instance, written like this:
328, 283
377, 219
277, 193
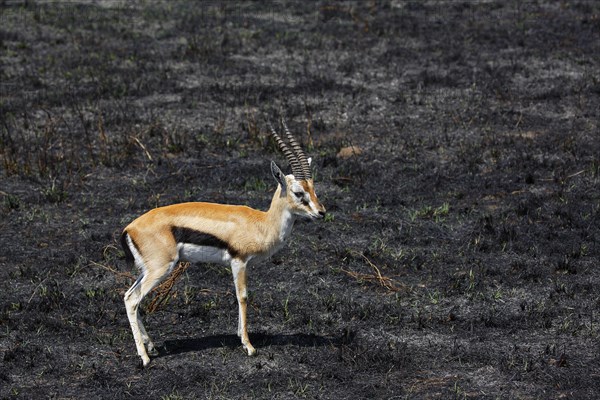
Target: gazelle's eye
300, 196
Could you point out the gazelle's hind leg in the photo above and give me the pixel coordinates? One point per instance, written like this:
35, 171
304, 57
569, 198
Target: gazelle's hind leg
134, 296
238, 268
147, 341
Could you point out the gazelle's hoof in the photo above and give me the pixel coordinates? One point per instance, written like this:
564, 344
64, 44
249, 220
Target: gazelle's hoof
250, 350
145, 361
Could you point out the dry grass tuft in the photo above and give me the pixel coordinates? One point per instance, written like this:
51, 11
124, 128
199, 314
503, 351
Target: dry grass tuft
164, 289
376, 276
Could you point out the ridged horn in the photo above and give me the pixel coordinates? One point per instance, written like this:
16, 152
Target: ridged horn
297, 170
306, 171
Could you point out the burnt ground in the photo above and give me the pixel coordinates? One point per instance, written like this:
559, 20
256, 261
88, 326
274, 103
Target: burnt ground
461, 254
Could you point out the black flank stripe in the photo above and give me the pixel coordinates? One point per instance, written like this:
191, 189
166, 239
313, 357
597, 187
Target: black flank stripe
192, 236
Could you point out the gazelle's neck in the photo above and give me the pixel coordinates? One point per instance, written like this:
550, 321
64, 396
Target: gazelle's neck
280, 218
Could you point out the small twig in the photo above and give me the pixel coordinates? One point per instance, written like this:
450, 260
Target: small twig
565, 178
37, 287
575, 174
519, 121
107, 248
112, 270
143, 147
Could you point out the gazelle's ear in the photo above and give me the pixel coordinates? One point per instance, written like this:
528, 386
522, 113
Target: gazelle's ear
278, 175
309, 161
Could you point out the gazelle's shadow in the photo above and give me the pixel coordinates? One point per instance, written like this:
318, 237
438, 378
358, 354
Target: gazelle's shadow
259, 340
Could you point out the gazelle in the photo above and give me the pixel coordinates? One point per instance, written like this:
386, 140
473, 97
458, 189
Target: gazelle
236, 236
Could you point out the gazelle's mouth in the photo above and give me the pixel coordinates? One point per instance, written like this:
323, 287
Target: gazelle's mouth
319, 215
306, 217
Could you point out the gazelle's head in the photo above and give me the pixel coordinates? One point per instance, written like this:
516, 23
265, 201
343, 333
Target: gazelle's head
298, 187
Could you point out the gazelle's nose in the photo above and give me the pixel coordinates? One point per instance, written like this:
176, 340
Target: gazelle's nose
322, 213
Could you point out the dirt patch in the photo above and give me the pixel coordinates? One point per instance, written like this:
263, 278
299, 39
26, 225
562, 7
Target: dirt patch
460, 257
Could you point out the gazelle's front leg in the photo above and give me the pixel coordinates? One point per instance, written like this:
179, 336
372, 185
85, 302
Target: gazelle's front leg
238, 269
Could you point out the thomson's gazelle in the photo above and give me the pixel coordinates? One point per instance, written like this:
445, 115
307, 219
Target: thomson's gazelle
236, 236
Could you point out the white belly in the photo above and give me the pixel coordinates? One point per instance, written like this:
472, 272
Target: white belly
196, 254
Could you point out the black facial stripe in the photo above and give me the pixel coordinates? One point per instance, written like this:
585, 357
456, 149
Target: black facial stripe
192, 236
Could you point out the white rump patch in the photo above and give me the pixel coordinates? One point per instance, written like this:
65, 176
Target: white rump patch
137, 257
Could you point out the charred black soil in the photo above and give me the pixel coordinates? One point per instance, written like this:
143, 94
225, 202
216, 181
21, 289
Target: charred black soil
460, 256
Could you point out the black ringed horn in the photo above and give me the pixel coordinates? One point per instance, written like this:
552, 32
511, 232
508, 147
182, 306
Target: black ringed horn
297, 170
298, 151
